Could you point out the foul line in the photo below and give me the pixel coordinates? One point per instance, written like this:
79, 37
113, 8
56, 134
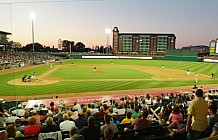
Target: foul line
50, 71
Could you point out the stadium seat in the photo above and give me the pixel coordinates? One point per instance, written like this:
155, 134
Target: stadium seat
151, 132
121, 127
124, 135
34, 137
65, 134
50, 136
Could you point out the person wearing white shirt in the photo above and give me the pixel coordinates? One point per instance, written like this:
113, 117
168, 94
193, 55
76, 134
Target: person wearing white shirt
20, 111
76, 107
12, 118
93, 110
66, 125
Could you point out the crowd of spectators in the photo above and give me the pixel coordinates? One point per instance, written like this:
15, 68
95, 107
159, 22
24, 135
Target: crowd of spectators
179, 116
19, 59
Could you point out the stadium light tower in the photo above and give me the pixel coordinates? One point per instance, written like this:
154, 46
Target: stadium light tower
32, 17
107, 31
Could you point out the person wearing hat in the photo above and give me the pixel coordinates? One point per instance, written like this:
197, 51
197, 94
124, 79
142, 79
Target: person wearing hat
20, 111
35, 115
2, 113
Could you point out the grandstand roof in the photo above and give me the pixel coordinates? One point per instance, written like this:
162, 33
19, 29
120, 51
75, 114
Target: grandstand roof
7, 33
148, 34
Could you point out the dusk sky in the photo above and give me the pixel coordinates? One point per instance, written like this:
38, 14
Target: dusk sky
194, 22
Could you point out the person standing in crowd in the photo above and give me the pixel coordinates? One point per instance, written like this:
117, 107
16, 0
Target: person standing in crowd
197, 116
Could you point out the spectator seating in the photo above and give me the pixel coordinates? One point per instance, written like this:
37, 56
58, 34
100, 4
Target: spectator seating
34, 137
151, 132
124, 135
65, 134
121, 127
50, 136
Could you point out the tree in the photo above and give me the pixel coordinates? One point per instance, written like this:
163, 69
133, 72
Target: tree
29, 47
101, 49
80, 47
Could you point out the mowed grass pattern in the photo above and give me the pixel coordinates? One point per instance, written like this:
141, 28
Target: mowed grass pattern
68, 86
101, 73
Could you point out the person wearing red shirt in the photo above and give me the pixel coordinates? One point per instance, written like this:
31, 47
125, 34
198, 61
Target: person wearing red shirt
52, 107
32, 128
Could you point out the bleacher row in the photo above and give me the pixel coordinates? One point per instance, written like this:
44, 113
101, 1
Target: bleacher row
155, 132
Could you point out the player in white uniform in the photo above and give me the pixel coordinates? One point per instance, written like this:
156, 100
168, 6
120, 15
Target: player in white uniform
188, 72
196, 77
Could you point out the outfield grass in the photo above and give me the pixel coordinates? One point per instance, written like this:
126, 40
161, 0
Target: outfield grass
127, 77
101, 73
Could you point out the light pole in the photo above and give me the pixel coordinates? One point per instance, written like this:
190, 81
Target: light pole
32, 17
107, 31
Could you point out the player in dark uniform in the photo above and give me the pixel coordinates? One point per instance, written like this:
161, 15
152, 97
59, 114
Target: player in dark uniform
212, 76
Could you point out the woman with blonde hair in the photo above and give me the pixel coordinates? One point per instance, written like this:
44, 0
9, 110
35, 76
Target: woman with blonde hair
50, 126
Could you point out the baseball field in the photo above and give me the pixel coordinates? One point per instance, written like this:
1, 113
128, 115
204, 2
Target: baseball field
76, 77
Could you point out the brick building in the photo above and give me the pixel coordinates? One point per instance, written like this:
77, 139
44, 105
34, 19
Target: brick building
142, 43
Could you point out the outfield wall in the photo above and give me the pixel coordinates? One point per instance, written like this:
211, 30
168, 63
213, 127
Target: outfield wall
115, 57
106, 57
170, 58
211, 60
179, 58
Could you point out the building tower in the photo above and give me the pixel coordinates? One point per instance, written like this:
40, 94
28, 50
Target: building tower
115, 40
